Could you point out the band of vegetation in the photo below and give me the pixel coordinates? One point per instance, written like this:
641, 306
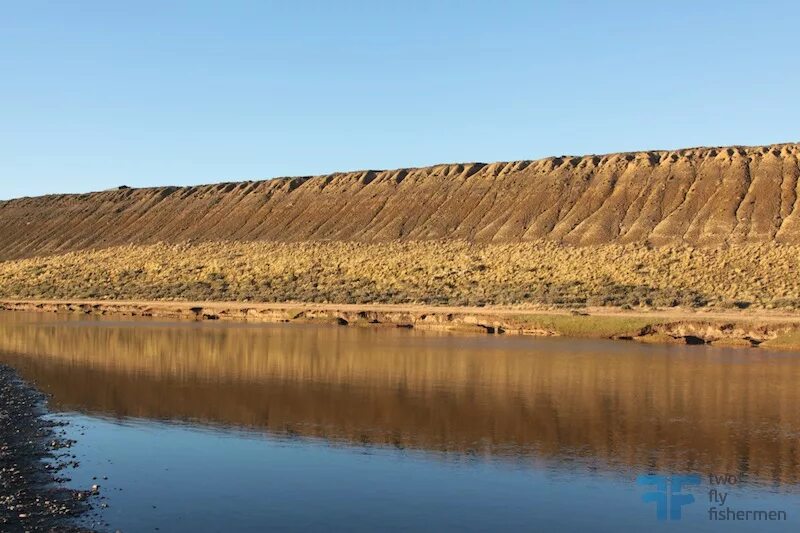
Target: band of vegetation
423, 272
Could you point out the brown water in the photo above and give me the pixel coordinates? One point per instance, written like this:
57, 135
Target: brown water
492, 408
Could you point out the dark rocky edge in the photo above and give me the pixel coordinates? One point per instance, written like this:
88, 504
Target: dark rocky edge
31, 457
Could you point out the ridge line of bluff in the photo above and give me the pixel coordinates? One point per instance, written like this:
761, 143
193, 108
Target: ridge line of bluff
693, 196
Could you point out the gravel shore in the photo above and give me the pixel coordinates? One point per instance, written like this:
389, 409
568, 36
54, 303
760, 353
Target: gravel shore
32, 453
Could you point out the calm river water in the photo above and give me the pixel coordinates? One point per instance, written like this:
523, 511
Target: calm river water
236, 427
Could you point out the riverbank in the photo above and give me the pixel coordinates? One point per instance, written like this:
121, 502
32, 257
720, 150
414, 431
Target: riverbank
32, 499
745, 328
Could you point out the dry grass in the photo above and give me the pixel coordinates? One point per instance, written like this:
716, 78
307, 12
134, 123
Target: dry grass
430, 272
786, 341
587, 326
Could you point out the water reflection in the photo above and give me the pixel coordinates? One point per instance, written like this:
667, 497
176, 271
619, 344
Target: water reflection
610, 403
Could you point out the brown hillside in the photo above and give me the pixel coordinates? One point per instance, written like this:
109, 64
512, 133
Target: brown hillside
699, 196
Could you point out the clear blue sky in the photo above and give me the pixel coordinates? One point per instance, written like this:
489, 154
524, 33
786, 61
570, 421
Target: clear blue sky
98, 94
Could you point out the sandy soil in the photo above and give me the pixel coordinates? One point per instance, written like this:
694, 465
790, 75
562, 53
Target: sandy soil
675, 313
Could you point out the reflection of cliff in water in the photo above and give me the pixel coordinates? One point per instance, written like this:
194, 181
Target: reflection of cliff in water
672, 408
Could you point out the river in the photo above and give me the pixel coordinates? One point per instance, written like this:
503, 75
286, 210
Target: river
207, 426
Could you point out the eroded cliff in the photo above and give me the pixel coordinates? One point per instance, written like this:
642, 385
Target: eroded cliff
697, 196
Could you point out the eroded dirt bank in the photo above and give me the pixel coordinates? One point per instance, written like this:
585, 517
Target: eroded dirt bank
695, 196
713, 228
774, 330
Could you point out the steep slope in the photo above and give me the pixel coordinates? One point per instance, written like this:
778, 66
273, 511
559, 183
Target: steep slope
699, 196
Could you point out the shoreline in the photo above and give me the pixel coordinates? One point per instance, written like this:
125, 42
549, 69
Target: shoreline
745, 328
31, 497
